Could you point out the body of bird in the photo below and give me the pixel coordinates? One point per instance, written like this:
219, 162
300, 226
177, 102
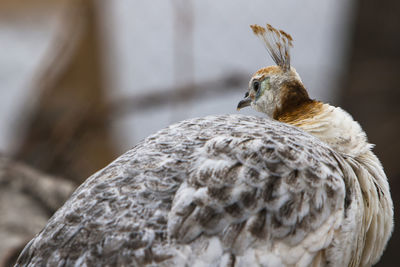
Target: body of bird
300, 188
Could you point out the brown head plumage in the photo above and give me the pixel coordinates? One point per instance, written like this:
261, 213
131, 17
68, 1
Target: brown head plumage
278, 90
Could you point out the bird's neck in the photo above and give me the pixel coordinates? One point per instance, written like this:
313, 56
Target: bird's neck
332, 125
306, 110
293, 102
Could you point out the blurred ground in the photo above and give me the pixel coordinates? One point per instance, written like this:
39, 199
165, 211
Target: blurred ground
27, 200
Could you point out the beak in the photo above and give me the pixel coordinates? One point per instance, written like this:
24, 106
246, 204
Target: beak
244, 103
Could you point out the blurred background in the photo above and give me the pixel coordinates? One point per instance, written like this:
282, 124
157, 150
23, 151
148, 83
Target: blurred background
82, 81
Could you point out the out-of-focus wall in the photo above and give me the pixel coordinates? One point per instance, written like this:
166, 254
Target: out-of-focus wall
26, 32
66, 132
142, 51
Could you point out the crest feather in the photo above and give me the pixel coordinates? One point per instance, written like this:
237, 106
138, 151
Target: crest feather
277, 42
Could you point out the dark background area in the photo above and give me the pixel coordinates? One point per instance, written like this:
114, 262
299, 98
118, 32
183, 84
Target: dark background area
371, 93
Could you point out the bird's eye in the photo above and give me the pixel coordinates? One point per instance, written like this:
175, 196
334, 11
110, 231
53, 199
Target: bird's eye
256, 85
246, 94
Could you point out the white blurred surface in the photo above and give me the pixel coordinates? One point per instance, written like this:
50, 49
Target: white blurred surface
140, 54
140, 38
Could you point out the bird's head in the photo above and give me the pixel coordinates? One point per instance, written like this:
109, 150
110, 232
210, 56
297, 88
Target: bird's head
275, 90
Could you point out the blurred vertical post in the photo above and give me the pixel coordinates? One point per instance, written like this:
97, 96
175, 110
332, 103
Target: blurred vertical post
183, 41
66, 132
371, 92
183, 60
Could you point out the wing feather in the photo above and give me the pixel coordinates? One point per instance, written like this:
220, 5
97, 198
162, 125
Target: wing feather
222, 189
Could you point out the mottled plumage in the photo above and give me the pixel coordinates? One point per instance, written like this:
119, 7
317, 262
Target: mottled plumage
232, 190
239, 179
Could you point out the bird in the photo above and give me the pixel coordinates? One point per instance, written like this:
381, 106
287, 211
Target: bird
299, 186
